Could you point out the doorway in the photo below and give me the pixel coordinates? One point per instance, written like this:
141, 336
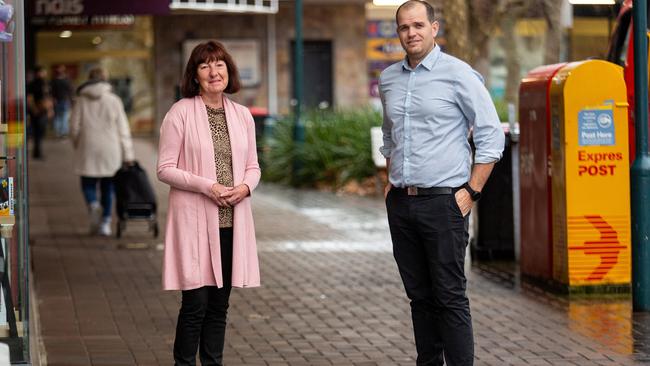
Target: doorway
318, 85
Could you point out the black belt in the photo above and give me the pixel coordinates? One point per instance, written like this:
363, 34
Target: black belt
418, 191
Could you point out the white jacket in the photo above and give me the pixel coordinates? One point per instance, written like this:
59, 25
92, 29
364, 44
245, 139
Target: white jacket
100, 132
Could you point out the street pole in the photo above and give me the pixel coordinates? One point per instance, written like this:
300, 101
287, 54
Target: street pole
640, 172
298, 69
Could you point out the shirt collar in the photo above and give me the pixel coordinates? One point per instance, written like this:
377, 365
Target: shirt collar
428, 61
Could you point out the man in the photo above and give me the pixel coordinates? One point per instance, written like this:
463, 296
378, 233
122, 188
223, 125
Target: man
62, 94
431, 101
39, 108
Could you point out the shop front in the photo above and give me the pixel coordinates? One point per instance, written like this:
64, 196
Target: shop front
115, 35
14, 294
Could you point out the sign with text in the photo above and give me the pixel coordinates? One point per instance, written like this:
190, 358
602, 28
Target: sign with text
596, 127
49, 8
86, 22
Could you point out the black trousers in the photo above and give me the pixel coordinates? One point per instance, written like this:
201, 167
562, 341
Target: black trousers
202, 317
429, 237
39, 127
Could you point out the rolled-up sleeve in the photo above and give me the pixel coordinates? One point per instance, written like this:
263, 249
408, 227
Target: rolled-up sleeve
386, 128
477, 106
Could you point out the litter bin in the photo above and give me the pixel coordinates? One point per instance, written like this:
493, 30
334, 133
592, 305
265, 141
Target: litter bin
495, 232
264, 124
590, 175
259, 115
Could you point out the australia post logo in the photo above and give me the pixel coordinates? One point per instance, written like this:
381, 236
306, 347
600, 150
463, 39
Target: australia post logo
606, 246
58, 7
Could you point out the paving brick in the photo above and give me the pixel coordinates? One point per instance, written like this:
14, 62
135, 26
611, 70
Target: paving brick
331, 293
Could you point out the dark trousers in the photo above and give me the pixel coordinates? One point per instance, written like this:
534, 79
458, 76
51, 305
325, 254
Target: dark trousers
429, 237
202, 318
39, 127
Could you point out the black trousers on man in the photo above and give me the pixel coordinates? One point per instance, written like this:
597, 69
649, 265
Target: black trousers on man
39, 128
429, 237
202, 318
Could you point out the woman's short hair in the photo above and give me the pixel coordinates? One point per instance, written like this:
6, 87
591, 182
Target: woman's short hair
207, 52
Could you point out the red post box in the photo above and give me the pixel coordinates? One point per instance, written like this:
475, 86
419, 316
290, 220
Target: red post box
536, 256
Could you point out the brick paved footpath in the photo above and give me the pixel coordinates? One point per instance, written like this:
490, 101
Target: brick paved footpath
331, 293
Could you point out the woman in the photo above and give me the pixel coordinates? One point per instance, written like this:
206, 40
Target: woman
207, 155
100, 133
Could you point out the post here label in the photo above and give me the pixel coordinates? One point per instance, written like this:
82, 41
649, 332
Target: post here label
596, 127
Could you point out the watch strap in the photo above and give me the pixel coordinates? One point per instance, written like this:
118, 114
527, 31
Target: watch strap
475, 195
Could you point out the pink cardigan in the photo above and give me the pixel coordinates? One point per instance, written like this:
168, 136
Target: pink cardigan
186, 163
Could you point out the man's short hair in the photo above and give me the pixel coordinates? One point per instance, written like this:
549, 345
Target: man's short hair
431, 14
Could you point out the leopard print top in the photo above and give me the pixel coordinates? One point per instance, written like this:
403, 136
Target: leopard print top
222, 158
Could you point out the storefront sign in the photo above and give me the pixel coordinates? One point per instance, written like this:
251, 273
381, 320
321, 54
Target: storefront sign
57, 8
381, 29
86, 22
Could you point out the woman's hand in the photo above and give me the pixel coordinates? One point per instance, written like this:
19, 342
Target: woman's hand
217, 191
234, 195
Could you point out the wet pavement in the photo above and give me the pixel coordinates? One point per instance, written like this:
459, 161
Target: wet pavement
331, 293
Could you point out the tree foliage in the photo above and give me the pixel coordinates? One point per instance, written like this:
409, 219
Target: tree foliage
469, 25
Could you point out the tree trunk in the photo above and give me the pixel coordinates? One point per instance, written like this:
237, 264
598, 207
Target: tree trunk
512, 60
483, 14
553, 14
456, 24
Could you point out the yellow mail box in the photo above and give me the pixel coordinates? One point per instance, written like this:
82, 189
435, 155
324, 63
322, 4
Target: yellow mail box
590, 175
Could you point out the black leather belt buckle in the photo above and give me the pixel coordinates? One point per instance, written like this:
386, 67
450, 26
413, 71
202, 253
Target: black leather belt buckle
412, 191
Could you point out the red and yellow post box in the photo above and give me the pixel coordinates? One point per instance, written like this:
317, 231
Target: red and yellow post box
590, 175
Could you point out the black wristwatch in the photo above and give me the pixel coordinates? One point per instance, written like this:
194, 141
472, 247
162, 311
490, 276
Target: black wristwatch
475, 195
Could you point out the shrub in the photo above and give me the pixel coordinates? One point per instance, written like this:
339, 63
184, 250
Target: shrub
336, 149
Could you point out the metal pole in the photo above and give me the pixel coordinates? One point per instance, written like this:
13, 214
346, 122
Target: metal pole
299, 128
640, 172
272, 66
516, 196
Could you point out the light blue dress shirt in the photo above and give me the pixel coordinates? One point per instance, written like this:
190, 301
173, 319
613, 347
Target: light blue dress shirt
428, 113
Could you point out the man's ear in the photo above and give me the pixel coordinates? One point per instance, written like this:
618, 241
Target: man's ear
435, 26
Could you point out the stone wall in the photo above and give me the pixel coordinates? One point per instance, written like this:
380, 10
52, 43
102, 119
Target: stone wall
343, 24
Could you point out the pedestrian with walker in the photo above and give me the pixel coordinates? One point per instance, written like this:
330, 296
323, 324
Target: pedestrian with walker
431, 101
101, 137
208, 156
